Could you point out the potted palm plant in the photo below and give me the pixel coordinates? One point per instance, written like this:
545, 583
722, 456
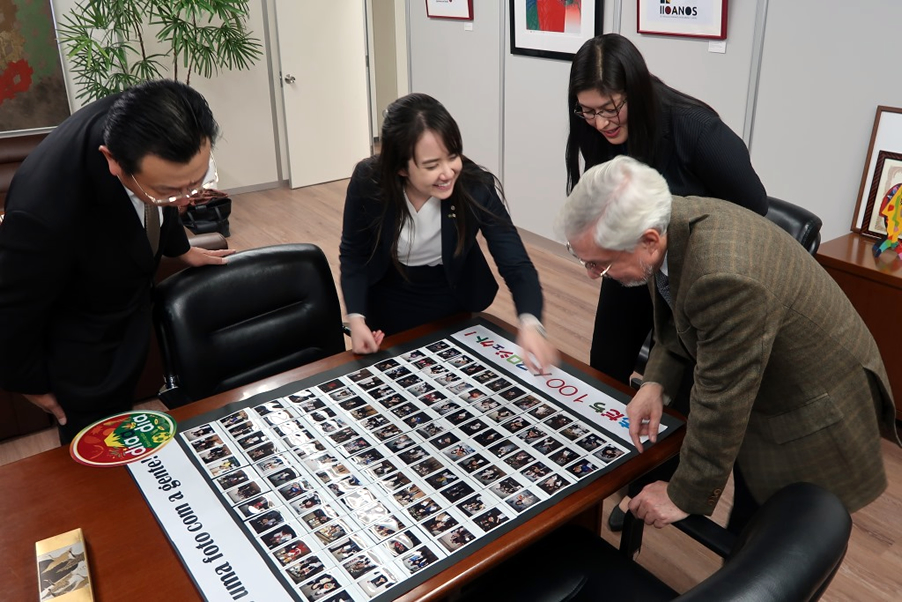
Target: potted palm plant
114, 44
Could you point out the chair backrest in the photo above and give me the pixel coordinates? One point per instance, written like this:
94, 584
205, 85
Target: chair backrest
789, 552
268, 310
802, 224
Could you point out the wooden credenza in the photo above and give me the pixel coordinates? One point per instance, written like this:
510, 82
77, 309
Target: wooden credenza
875, 289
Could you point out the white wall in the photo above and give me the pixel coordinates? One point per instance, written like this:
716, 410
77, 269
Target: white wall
825, 68
383, 62
241, 103
401, 47
462, 69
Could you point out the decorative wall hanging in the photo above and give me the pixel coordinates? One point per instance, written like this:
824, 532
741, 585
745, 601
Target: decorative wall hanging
32, 87
553, 29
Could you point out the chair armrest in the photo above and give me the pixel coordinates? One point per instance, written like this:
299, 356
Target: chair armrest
708, 533
700, 528
171, 265
210, 240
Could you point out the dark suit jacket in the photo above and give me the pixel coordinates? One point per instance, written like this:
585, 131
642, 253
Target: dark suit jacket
698, 154
469, 276
788, 380
75, 272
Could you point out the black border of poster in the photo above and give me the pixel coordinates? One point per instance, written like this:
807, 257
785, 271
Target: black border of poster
420, 577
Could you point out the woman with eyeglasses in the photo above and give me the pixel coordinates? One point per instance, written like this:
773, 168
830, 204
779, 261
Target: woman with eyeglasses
408, 251
618, 108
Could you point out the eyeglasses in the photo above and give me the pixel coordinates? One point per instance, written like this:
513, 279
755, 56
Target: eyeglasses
589, 114
208, 183
589, 265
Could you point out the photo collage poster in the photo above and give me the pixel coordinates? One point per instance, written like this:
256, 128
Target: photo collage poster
362, 486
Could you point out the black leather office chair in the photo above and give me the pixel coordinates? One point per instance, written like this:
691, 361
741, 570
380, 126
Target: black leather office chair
268, 310
802, 224
789, 552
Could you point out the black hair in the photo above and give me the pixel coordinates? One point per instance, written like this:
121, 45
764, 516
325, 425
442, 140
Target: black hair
611, 64
164, 118
406, 120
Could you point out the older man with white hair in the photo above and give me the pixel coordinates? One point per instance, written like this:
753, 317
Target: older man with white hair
788, 384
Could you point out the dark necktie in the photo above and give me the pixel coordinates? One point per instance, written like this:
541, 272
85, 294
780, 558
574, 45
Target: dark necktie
152, 227
663, 284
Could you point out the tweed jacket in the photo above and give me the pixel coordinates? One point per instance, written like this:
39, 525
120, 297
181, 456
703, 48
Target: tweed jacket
365, 251
788, 380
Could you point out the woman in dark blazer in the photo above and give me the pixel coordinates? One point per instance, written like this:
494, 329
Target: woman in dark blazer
408, 251
617, 107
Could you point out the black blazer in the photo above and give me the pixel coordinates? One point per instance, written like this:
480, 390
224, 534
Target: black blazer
76, 271
698, 154
363, 264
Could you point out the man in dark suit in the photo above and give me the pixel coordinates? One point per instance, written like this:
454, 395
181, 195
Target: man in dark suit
788, 382
88, 216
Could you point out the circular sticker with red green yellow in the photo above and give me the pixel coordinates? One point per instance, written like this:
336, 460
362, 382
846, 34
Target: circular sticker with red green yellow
122, 438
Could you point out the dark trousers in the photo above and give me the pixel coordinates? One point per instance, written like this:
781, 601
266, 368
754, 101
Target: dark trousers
107, 387
83, 412
744, 505
622, 322
397, 303
76, 421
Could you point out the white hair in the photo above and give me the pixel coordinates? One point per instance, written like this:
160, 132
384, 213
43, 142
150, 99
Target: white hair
622, 198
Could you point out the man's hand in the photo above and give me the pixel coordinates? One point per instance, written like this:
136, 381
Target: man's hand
364, 340
653, 506
198, 256
539, 354
644, 412
48, 403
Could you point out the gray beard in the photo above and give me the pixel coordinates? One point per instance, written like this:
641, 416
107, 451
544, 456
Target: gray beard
648, 272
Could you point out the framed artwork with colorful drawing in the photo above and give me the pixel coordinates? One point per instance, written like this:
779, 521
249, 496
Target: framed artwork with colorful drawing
882, 171
885, 192
553, 29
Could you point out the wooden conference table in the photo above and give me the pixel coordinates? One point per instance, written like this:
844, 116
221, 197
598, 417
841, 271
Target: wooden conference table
129, 555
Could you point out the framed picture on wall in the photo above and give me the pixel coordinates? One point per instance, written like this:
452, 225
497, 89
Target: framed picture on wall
448, 9
553, 29
687, 18
882, 171
33, 91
